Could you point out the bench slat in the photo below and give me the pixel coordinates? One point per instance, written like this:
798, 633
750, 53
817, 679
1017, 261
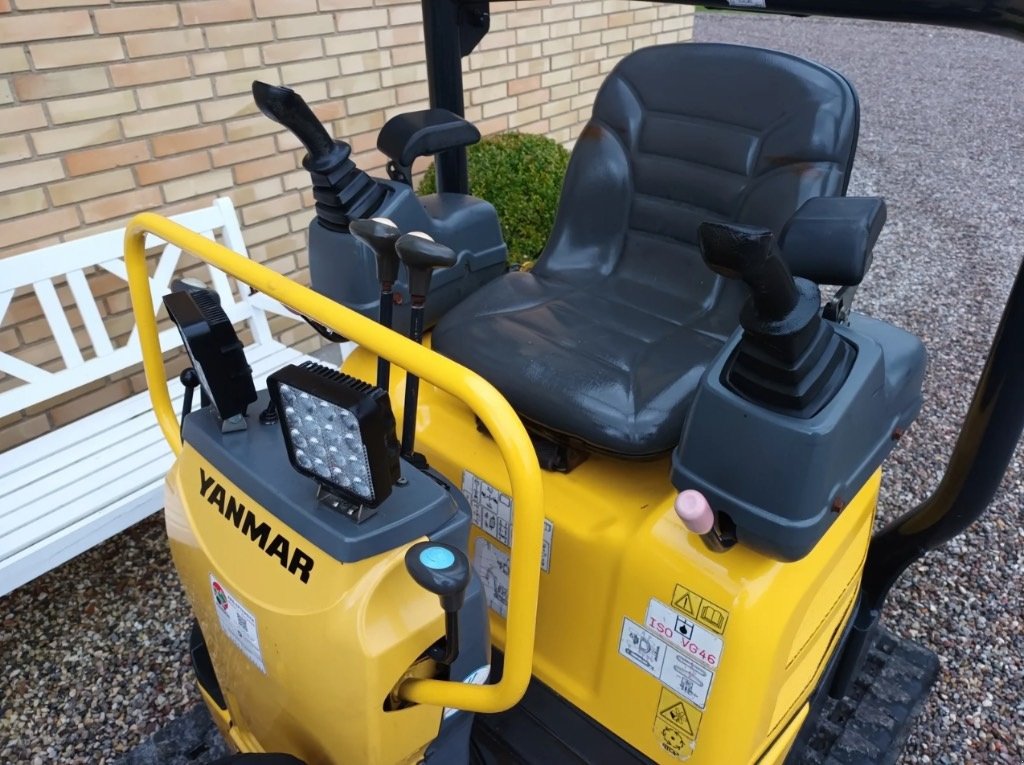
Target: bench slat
65, 544
68, 505
114, 472
48, 453
59, 324
121, 445
86, 303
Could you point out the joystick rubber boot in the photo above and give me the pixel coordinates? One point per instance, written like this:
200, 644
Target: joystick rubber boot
789, 359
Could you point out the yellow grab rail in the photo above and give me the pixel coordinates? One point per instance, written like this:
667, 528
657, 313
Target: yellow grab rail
493, 410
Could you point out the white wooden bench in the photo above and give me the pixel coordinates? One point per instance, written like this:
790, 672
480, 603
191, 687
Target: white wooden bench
72, 488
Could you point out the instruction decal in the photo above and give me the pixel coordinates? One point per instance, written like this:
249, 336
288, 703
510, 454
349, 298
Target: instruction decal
238, 623
655, 657
642, 648
687, 678
491, 564
684, 634
492, 514
700, 610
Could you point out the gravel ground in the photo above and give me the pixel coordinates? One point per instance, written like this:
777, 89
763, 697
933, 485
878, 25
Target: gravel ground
94, 652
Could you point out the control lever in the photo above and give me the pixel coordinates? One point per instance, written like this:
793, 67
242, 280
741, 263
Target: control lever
788, 359
443, 570
421, 256
380, 235
746, 252
286, 107
342, 191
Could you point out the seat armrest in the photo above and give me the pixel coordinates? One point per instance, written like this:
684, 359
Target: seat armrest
419, 134
829, 239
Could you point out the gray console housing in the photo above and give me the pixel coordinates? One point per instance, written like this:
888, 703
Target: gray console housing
779, 477
345, 271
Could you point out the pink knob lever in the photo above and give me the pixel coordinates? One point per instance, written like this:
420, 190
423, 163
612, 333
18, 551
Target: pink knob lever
694, 511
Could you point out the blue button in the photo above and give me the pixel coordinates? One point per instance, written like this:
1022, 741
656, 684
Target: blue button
437, 558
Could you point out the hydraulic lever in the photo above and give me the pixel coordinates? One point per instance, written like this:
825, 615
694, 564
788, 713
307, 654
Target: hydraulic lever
380, 235
788, 359
421, 256
443, 570
342, 191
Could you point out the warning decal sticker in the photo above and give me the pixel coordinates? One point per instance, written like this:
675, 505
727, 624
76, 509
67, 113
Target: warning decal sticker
642, 648
674, 669
679, 713
492, 514
491, 564
681, 645
676, 724
238, 623
686, 635
699, 609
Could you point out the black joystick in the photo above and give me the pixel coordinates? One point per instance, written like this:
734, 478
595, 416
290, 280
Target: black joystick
421, 256
443, 570
342, 191
789, 359
380, 236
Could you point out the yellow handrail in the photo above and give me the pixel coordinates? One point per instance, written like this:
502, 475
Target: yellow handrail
493, 410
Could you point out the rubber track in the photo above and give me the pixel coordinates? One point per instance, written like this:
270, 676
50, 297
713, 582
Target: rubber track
867, 727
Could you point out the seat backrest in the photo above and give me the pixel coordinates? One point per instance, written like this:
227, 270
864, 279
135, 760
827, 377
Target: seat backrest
64, 278
690, 132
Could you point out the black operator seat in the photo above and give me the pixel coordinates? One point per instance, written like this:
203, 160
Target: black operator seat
602, 343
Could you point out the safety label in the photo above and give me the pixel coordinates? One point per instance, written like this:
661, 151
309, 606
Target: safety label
491, 565
672, 740
673, 668
679, 713
492, 514
238, 623
699, 609
689, 637
676, 723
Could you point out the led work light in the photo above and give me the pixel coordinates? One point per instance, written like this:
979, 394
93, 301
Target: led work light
215, 351
339, 431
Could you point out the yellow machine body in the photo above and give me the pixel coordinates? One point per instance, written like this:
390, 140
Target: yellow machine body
616, 545
683, 653
331, 648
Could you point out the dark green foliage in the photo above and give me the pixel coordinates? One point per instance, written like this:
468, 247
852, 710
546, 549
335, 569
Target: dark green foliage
521, 175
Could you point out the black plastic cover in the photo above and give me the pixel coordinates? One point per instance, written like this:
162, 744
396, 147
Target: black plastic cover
407, 136
782, 480
830, 239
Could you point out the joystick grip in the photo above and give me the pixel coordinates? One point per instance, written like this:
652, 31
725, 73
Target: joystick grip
421, 256
743, 252
286, 107
380, 235
440, 569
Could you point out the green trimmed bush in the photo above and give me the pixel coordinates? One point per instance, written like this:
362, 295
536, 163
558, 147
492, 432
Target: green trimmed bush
521, 175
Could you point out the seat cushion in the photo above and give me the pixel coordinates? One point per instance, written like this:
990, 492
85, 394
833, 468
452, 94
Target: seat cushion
603, 342
605, 369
